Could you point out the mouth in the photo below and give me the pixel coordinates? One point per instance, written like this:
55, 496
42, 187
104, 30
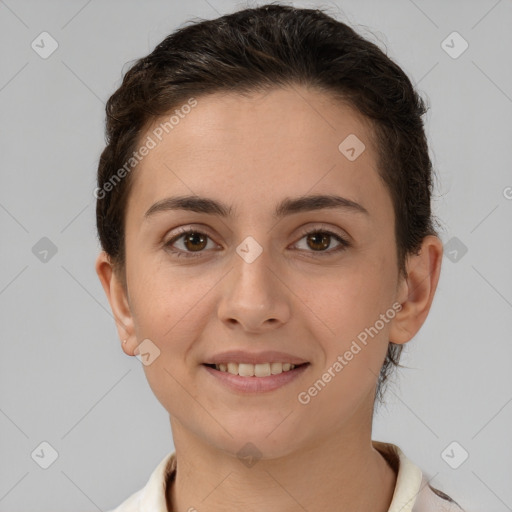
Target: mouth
245, 371
255, 370
249, 378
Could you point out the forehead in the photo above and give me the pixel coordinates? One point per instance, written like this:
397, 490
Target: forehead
255, 149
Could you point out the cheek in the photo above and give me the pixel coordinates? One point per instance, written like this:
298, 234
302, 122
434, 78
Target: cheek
352, 299
354, 346
168, 310
160, 295
351, 305
172, 307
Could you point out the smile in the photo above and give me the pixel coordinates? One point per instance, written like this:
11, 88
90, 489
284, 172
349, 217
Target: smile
255, 378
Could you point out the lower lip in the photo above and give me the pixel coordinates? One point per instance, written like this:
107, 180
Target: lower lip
256, 384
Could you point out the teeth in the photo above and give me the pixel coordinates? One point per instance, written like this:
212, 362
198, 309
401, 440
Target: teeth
262, 370
276, 368
245, 370
257, 370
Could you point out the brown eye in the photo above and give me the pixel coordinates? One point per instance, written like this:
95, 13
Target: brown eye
320, 240
195, 241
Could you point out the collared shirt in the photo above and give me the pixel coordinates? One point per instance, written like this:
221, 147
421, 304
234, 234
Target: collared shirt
412, 491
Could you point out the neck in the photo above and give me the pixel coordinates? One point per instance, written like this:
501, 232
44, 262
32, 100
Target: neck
345, 470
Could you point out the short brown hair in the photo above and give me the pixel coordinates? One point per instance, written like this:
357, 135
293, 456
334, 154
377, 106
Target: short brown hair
260, 49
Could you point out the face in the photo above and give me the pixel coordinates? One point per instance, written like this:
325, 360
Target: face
300, 285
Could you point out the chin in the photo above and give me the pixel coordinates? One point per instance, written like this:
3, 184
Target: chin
264, 439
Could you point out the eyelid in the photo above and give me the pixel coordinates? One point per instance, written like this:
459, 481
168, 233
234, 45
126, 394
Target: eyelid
305, 230
324, 228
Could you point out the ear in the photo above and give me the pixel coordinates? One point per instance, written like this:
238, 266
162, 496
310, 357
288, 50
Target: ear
117, 296
416, 291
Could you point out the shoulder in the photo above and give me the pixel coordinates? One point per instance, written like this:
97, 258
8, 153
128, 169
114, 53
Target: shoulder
431, 499
153, 495
413, 492
130, 504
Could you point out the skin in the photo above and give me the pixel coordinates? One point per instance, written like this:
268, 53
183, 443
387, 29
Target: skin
251, 152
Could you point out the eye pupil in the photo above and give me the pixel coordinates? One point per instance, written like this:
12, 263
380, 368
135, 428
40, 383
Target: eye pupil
194, 237
320, 238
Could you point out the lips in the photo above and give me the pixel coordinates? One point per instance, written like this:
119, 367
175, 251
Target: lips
242, 382
255, 372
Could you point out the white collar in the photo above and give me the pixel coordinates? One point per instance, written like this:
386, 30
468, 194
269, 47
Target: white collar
412, 490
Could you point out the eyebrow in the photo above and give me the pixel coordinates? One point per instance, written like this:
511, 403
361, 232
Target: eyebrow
287, 206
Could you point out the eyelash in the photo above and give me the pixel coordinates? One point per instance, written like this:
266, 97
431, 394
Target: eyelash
344, 244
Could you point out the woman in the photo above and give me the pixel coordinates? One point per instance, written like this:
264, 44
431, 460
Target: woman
263, 206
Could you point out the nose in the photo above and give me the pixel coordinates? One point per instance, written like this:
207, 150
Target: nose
254, 296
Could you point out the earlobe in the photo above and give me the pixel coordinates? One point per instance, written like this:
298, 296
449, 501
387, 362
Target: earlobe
416, 292
117, 297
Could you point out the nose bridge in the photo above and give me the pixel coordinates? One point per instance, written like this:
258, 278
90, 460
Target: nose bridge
253, 278
253, 295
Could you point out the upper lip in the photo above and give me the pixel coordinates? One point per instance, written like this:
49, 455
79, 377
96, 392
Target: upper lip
268, 356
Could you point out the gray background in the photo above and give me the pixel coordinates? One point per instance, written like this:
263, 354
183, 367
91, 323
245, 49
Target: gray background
64, 379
